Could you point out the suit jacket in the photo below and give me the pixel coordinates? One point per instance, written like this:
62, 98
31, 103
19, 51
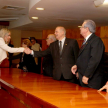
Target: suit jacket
47, 65
89, 62
62, 63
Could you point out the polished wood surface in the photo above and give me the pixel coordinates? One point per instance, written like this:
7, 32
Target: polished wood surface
7, 101
59, 94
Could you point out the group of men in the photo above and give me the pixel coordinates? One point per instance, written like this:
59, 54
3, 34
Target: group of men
71, 63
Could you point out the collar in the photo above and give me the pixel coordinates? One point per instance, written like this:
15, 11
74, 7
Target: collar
88, 36
63, 39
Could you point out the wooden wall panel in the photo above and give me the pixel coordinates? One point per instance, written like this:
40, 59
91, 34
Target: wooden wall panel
73, 33
98, 30
44, 36
105, 41
102, 32
104, 36
70, 33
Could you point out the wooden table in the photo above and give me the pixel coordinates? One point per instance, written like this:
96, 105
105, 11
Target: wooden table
38, 91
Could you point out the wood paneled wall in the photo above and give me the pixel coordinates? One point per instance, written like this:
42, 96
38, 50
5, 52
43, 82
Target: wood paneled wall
102, 32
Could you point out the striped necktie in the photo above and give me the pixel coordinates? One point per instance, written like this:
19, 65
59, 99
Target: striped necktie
83, 43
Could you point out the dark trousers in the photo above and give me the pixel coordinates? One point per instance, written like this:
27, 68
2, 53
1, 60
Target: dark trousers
73, 80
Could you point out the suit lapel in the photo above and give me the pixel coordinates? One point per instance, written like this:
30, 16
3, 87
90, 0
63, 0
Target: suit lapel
57, 47
65, 45
82, 49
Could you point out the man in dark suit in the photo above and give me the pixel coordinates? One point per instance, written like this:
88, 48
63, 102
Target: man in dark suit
47, 63
64, 55
88, 67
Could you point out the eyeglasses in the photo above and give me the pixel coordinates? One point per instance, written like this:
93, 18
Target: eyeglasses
83, 27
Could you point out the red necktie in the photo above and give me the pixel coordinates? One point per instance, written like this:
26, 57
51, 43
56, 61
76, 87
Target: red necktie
83, 43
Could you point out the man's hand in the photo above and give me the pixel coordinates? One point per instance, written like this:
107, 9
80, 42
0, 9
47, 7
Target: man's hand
74, 69
104, 87
27, 51
17, 65
85, 79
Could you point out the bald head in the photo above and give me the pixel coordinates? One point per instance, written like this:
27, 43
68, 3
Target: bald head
60, 32
50, 38
62, 29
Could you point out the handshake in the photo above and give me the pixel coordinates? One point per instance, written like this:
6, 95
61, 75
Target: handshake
27, 51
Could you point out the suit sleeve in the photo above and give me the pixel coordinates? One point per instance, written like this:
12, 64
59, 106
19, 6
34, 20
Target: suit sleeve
97, 50
76, 49
42, 53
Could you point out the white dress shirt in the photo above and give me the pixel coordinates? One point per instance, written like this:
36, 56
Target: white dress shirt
63, 40
88, 36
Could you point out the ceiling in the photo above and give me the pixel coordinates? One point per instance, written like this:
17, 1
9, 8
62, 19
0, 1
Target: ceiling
67, 13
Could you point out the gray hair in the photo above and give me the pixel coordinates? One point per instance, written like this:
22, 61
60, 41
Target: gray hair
91, 25
52, 36
4, 32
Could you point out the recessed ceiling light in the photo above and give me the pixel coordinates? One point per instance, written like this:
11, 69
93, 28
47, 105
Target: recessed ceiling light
34, 17
105, 2
40, 8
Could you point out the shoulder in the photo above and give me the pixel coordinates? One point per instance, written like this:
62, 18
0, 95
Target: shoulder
1, 39
95, 38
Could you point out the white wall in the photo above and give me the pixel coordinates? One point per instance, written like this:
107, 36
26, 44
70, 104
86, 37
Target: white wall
26, 34
16, 37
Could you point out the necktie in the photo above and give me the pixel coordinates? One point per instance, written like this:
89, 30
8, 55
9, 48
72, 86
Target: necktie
60, 47
83, 43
